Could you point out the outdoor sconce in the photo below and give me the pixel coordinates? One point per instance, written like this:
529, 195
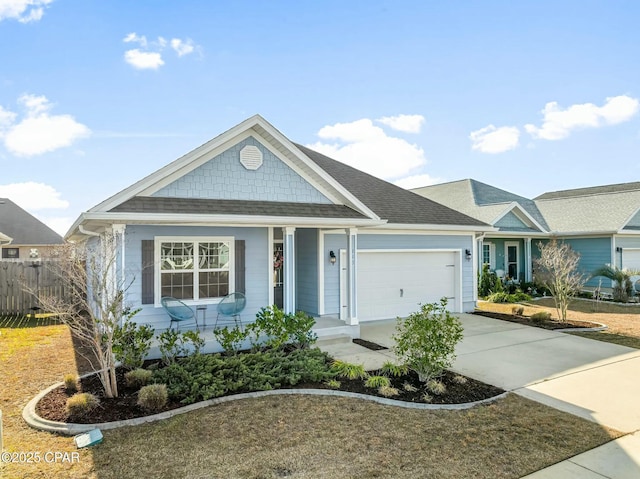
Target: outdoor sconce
332, 257
467, 253
618, 249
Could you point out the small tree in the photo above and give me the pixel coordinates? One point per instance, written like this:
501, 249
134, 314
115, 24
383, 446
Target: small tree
558, 272
426, 340
622, 289
93, 301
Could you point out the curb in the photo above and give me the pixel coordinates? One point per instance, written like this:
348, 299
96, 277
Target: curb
600, 327
32, 419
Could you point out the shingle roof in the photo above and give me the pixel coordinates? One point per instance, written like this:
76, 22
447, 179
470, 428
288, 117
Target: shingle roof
203, 206
590, 191
479, 200
388, 201
24, 228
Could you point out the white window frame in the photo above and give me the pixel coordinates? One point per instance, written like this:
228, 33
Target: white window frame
158, 240
492, 254
506, 258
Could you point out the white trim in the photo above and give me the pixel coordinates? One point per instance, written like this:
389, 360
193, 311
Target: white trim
513, 206
158, 240
289, 269
270, 247
352, 275
377, 230
435, 228
343, 307
492, 254
321, 264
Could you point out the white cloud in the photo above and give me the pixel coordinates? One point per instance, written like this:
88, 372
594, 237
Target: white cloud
135, 38
143, 60
182, 47
24, 11
416, 181
558, 123
38, 132
495, 140
405, 123
367, 147
33, 196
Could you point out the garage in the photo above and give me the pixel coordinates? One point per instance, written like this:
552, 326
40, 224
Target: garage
631, 258
393, 283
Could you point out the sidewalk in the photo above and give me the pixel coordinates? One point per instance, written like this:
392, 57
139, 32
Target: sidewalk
592, 379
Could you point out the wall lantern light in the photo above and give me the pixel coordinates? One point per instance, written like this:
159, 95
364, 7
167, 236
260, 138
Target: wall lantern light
467, 253
332, 257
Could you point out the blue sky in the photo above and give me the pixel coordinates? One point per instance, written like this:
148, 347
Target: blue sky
529, 96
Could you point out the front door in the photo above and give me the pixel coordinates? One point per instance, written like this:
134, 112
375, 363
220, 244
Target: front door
278, 274
512, 256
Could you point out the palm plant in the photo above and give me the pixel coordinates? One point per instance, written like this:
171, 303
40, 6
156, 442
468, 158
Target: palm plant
622, 289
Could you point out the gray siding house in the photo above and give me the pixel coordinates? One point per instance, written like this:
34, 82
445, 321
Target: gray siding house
251, 211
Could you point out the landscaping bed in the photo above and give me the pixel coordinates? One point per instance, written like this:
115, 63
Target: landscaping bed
457, 390
549, 324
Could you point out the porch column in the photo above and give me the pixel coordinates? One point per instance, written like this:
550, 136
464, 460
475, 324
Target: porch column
528, 267
352, 276
289, 269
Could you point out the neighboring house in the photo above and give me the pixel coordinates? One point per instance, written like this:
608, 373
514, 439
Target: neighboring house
251, 211
601, 223
517, 221
23, 236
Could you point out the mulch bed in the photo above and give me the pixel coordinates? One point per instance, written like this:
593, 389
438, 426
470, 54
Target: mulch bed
52, 406
550, 325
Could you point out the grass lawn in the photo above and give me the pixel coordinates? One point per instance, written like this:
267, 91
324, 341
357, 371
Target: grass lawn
623, 321
296, 437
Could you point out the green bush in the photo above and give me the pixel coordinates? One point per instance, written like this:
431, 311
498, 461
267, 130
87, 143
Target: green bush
138, 378
201, 377
70, 382
394, 370
231, 339
174, 344
426, 340
282, 328
540, 317
81, 404
436, 387
377, 382
153, 397
348, 370
388, 391
131, 343
487, 283
504, 297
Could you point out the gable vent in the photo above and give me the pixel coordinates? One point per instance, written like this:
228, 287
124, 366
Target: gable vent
251, 157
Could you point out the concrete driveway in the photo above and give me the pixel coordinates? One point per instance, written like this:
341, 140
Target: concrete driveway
592, 379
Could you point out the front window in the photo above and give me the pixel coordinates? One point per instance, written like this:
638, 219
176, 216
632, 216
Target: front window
10, 253
486, 254
198, 269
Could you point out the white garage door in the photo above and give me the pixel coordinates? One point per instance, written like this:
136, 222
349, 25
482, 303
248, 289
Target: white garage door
631, 258
392, 284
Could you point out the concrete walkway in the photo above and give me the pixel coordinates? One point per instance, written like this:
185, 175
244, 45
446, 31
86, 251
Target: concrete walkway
592, 379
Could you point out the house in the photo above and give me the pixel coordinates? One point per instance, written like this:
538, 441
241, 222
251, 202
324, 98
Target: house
23, 236
601, 223
251, 211
517, 221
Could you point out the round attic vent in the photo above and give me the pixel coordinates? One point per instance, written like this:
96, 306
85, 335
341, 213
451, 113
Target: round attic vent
251, 157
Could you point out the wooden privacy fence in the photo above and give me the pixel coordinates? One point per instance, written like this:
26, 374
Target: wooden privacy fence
18, 279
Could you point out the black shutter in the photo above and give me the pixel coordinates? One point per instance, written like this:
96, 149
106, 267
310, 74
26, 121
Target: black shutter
148, 249
240, 266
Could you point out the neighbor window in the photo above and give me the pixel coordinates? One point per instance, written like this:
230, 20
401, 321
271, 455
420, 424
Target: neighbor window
10, 253
195, 269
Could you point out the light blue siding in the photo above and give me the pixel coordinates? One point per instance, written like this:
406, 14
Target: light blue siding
388, 241
224, 177
256, 276
594, 253
510, 220
307, 270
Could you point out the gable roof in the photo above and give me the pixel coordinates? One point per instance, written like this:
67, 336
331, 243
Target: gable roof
389, 201
356, 196
485, 202
24, 228
600, 209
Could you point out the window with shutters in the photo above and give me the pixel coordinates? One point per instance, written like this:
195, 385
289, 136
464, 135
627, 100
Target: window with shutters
194, 269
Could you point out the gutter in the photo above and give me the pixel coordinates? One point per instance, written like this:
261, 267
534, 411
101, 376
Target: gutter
87, 232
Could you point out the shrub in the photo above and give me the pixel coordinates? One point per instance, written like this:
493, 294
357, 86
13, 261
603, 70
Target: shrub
231, 339
333, 384
409, 388
426, 397
377, 382
540, 317
348, 370
138, 378
426, 340
517, 310
174, 344
153, 397
131, 343
458, 379
81, 404
70, 382
394, 370
487, 283
504, 297
388, 391
282, 328
436, 387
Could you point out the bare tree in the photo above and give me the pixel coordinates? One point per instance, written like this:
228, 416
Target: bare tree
558, 271
93, 303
